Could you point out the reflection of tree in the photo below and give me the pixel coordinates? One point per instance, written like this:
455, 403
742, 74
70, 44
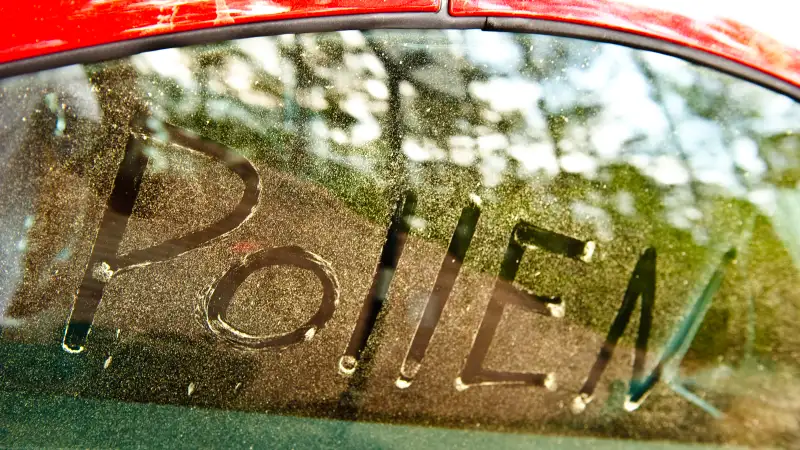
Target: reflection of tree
781, 157
545, 61
658, 97
713, 98
311, 115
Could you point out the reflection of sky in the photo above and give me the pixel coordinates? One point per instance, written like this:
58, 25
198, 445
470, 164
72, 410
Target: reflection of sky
171, 63
495, 50
700, 149
667, 142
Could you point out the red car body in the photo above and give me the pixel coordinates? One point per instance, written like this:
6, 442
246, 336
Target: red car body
38, 29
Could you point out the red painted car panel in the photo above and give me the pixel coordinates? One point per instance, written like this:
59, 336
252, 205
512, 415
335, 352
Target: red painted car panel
51, 26
42, 27
723, 37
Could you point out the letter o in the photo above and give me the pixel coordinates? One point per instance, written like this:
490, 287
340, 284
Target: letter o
218, 299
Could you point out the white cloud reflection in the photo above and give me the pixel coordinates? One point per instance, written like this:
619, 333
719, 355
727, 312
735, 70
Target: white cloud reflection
667, 141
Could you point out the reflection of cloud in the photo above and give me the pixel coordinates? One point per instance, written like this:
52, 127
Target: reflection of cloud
535, 157
765, 199
414, 151
671, 68
365, 132
264, 52
506, 95
377, 89
597, 217
339, 136
682, 214
491, 168
357, 62
776, 113
462, 150
609, 139
353, 38
581, 163
224, 110
785, 220
625, 203
420, 152
491, 142
315, 99
496, 50
320, 147
239, 75
368, 129
171, 63
356, 105
668, 170
745, 155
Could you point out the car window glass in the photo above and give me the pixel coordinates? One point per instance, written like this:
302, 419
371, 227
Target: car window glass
452, 228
